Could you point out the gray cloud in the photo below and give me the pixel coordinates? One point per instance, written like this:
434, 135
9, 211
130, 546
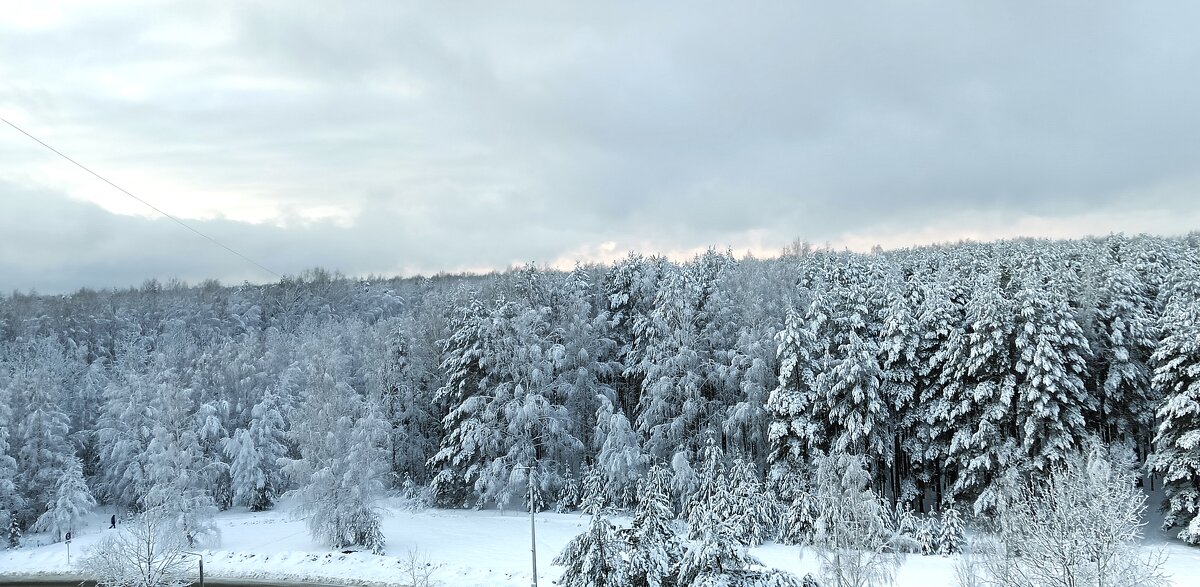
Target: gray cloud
449, 136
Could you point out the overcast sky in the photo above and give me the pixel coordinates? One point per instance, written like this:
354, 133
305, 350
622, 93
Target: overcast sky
404, 138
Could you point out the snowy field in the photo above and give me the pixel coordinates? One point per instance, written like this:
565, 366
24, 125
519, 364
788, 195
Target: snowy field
471, 548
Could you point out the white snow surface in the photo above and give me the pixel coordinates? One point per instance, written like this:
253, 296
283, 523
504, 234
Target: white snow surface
470, 548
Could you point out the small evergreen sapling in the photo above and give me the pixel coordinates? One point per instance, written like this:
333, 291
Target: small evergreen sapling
950, 534
595, 558
754, 510
654, 546
927, 535
801, 517
14, 530
718, 558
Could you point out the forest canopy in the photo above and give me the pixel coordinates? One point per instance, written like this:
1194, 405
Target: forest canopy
949, 369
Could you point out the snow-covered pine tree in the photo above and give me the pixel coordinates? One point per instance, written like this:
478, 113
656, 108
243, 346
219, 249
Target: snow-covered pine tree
926, 450
654, 546
585, 368
853, 394
515, 414
1177, 442
125, 427
597, 557
674, 404
630, 287
72, 502
403, 381
899, 342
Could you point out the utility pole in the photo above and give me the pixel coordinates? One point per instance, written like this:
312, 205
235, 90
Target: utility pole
201, 557
532, 528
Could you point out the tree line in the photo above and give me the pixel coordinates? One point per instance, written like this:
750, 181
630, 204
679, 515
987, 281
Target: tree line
948, 370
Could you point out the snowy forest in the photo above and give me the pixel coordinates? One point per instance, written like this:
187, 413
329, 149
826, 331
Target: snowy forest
941, 376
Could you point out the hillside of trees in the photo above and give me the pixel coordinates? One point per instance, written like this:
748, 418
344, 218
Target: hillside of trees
947, 371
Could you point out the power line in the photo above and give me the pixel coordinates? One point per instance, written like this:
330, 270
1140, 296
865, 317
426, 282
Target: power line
144, 202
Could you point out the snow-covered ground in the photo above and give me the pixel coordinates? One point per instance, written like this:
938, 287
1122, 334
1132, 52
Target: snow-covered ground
472, 548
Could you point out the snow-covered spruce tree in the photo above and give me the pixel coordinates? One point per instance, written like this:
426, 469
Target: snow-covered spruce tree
596, 558
13, 536
712, 499
1051, 359
791, 428
851, 534
1079, 524
928, 528
899, 342
455, 468
950, 531
906, 526
72, 502
754, 510
1177, 442
654, 546
1126, 337
11, 499
799, 520
717, 557
978, 408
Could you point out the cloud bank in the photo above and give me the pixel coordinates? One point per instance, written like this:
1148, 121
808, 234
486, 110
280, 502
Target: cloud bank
408, 138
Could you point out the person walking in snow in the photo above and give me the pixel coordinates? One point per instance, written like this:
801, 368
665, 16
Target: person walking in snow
112, 522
